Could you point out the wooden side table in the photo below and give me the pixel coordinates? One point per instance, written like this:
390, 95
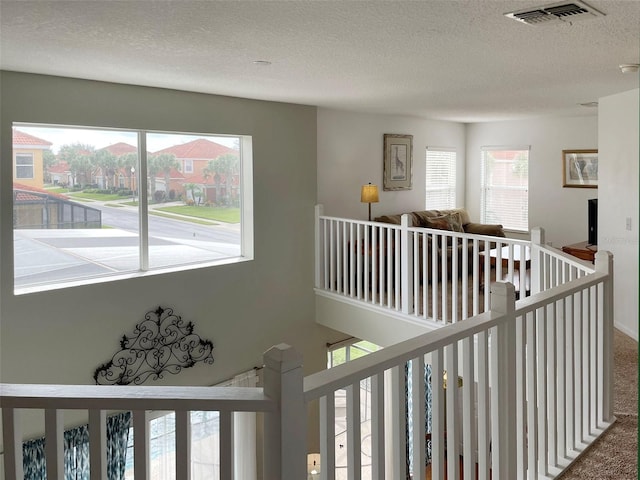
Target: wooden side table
582, 250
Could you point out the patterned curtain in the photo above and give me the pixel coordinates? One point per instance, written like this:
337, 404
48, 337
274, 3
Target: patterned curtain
409, 410
76, 451
33, 462
117, 439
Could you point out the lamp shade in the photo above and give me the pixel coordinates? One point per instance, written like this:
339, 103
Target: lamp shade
369, 194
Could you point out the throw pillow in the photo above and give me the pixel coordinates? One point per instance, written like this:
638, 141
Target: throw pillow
455, 222
421, 218
439, 223
393, 219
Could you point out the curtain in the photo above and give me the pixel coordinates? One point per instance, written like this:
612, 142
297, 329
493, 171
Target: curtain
76, 451
117, 439
33, 462
409, 410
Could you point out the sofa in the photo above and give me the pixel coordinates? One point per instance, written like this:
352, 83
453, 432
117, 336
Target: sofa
456, 220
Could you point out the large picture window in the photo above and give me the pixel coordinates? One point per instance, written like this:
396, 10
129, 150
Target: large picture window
505, 187
440, 185
121, 204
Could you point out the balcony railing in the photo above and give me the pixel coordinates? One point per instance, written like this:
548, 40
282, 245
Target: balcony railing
435, 275
533, 389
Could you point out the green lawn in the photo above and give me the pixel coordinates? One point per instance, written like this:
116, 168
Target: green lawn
182, 219
100, 197
57, 189
227, 215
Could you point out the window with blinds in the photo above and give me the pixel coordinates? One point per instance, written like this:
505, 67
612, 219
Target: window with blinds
505, 187
440, 185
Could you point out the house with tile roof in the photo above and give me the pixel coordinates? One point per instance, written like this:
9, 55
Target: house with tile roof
28, 158
193, 158
60, 174
123, 176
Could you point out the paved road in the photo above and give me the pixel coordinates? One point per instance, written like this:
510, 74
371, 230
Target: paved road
43, 256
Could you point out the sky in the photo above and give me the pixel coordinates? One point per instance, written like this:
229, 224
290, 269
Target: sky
60, 136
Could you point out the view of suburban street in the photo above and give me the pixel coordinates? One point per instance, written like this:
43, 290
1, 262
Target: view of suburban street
47, 255
77, 211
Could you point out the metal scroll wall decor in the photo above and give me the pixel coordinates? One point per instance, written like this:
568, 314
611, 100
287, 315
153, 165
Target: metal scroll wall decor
161, 343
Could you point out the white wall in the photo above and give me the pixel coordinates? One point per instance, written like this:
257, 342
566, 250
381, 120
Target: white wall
61, 336
562, 212
618, 132
350, 154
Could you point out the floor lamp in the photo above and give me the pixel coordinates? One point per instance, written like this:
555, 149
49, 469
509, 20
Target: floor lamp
369, 194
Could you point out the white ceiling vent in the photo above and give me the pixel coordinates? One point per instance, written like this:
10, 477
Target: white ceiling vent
556, 13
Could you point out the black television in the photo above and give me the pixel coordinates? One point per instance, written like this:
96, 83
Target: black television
593, 221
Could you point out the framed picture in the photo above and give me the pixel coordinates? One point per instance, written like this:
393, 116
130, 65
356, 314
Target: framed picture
580, 168
398, 160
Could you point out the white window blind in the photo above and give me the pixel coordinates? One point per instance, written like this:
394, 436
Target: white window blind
440, 185
505, 187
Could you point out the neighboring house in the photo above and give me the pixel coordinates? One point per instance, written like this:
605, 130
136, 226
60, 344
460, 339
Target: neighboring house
193, 158
119, 176
28, 158
176, 181
213, 188
123, 176
60, 174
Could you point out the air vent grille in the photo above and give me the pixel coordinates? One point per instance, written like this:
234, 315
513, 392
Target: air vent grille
556, 13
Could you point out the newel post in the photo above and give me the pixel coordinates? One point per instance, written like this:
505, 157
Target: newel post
604, 264
503, 382
537, 259
319, 212
285, 429
406, 263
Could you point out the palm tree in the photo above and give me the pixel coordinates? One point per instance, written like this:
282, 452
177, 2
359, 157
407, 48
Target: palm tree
48, 159
80, 159
195, 190
225, 166
163, 162
107, 162
129, 162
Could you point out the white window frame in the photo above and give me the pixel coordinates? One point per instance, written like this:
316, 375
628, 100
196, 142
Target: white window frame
188, 165
246, 213
487, 210
441, 196
24, 166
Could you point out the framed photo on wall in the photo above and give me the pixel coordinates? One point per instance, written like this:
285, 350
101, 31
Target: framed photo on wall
580, 168
398, 161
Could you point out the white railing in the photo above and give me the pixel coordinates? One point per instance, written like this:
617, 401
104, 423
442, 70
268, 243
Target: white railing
412, 270
282, 373
536, 380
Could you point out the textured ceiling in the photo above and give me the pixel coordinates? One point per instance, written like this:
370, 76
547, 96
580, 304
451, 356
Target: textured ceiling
459, 60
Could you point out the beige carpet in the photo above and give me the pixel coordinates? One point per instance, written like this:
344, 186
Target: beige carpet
615, 454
